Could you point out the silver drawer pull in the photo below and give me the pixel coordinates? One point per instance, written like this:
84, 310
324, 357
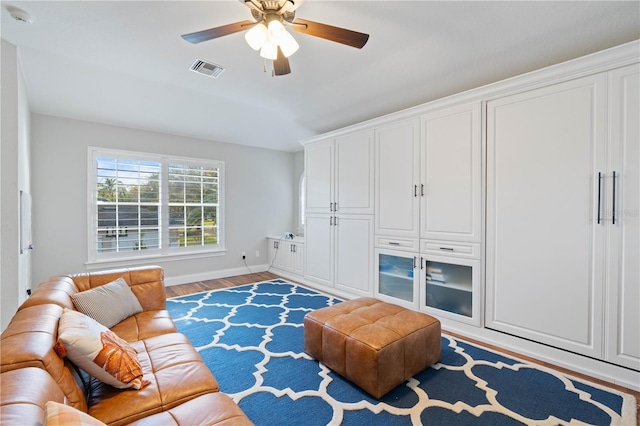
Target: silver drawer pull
392, 243
447, 248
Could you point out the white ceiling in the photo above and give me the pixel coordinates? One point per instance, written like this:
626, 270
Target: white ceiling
124, 62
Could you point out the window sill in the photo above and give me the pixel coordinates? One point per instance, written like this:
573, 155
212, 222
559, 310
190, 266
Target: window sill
156, 258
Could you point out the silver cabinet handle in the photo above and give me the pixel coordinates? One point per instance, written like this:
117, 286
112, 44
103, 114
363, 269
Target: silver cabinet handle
599, 193
447, 248
422, 189
614, 198
393, 243
331, 220
414, 262
415, 190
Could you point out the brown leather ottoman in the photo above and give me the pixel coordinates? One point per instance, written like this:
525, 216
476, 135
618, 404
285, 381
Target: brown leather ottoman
374, 344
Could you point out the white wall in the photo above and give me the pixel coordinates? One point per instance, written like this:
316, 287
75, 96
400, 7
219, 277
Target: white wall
258, 195
15, 269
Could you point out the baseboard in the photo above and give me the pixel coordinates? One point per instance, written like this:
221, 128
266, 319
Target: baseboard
212, 275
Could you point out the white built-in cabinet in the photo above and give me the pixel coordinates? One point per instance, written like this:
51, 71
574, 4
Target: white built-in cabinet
428, 202
623, 267
286, 255
562, 216
339, 212
512, 210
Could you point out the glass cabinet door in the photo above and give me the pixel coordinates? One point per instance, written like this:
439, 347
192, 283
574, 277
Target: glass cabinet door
397, 277
450, 289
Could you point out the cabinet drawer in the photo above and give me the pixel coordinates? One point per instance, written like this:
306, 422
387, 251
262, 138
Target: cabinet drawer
397, 243
471, 251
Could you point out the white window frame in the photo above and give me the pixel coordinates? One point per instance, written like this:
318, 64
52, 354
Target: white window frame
124, 258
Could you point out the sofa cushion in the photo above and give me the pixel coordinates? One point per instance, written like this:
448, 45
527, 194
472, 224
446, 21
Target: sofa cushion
108, 304
57, 414
98, 351
144, 325
210, 409
176, 372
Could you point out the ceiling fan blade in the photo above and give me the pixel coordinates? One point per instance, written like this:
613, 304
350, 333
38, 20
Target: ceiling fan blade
281, 64
216, 32
329, 32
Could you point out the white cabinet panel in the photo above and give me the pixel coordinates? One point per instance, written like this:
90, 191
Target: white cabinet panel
354, 253
544, 262
450, 151
277, 255
286, 255
319, 177
319, 249
624, 268
397, 179
354, 169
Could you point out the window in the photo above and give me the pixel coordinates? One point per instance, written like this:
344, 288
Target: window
146, 205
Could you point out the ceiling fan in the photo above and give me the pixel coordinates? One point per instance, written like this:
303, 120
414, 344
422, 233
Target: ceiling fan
267, 32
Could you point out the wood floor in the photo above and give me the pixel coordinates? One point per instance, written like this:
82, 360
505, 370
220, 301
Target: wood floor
200, 286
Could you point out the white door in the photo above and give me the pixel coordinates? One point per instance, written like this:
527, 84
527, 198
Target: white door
544, 252
354, 169
623, 343
450, 173
354, 253
318, 163
298, 259
397, 179
318, 253
277, 253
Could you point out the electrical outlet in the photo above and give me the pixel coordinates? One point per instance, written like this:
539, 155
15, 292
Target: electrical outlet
257, 253
244, 255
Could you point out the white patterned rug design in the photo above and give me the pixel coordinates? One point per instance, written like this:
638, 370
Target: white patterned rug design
251, 337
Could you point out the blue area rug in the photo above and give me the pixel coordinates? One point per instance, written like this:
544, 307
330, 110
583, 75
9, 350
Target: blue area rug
252, 339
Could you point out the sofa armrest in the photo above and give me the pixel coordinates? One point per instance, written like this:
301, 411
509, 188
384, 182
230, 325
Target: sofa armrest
146, 282
23, 395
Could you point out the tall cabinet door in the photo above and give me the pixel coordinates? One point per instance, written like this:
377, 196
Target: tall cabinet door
354, 173
319, 177
623, 345
318, 253
354, 253
450, 151
398, 179
544, 250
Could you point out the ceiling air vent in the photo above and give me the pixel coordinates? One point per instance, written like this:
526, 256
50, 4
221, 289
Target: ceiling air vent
207, 68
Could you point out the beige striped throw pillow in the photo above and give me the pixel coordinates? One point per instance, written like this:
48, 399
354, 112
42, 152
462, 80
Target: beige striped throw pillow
108, 304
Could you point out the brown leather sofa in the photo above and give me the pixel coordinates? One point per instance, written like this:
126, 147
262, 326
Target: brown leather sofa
182, 390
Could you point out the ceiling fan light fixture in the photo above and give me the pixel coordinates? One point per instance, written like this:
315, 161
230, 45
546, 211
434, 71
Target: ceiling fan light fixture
288, 44
257, 36
269, 50
276, 30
